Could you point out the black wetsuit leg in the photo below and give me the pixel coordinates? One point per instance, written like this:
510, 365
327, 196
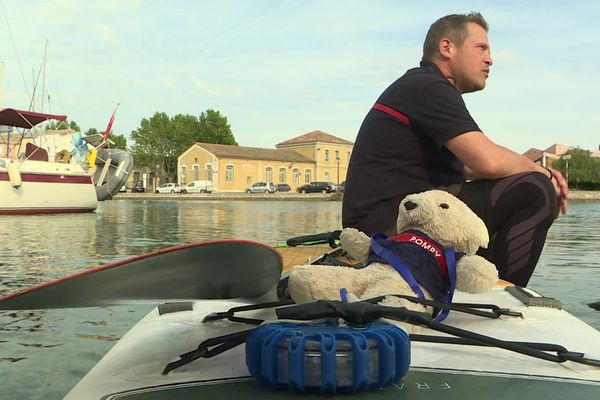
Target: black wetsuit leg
518, 211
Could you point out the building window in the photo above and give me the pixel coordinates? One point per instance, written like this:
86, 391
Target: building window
183, 174
209, 172
337, 155
326, 155
248, 180
307, 176
296, 175
269, 174
281, 175
196, 172
229, 173
348, 156
327, 176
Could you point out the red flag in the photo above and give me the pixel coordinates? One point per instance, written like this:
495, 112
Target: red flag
110, 122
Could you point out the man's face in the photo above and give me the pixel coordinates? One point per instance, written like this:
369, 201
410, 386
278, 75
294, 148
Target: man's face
471, 62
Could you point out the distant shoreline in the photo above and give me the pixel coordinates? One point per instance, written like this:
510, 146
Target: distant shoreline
290, 196
230, 196
584, 195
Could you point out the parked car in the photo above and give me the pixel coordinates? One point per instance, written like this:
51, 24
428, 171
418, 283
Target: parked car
317, 187
261, 187
169, 188
283, 187
138, 187
123, 189
342, 187
198, 187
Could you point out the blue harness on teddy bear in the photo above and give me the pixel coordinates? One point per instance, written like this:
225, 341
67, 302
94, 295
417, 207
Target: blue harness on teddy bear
421, 261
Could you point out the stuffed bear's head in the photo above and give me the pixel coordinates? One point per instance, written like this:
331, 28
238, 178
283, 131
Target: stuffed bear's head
445, 219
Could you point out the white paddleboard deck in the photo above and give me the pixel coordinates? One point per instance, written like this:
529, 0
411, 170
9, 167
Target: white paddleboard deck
132, 368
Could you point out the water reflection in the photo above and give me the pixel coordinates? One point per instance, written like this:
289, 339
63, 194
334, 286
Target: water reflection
37, 249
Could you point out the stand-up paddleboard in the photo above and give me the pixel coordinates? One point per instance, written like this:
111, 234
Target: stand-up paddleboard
207, 270
132, 369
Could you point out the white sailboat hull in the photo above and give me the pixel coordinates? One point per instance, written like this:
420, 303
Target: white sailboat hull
42, 187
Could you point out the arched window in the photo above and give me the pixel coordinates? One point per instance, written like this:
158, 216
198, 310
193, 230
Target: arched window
326, 155
229, 173
281, 175
269, 174
307, 176
296, 176
183, 174
196, 172
209, 172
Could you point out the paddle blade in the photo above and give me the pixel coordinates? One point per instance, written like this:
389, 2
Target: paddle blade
206, 270
595, 306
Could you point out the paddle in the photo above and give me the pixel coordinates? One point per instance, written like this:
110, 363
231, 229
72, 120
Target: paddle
205, 270
595, 306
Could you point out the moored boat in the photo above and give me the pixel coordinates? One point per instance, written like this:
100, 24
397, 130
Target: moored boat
35, 182
42, 178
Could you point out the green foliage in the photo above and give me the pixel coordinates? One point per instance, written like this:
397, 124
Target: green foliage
160, 140
56, 125
583, 171
214, 128
119, 140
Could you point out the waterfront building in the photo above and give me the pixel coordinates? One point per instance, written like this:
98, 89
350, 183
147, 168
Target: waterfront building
315, 156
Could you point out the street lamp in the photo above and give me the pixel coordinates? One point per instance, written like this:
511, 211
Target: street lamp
567, 157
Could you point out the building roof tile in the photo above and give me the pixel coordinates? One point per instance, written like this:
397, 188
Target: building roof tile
313, 137
253, 153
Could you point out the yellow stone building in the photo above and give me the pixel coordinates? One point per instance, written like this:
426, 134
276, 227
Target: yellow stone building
315, 156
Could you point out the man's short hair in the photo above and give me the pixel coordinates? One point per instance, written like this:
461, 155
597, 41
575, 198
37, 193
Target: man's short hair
454, 27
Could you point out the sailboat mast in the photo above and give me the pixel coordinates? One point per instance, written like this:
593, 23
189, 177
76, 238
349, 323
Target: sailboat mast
44, 74
1, 82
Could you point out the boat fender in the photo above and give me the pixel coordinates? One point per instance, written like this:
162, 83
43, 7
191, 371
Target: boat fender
91, 158
14, 175
328, 358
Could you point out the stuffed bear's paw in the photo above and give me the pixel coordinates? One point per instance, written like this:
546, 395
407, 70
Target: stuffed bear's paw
356, 244
308, 283
475, 274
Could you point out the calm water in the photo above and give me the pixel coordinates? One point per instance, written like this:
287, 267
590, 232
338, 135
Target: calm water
44, 353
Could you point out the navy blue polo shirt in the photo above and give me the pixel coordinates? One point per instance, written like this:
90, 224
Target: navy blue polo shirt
391, 159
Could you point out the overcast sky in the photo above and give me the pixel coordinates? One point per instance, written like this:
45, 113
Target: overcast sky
279, 69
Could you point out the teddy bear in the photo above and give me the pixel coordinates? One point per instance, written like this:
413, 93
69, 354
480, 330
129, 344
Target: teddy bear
428, 224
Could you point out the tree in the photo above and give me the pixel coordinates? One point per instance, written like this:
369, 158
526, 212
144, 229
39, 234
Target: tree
584, 170
213, 128
158, 145
56, 125
119, 140
160, 140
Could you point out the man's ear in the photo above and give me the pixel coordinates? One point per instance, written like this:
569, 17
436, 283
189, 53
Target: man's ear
446, 47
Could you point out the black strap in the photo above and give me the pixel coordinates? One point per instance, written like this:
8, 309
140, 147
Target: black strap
327, 237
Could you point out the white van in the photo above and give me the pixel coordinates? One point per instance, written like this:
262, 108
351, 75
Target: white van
198, 187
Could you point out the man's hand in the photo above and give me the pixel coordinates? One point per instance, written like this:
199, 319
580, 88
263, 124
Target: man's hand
562, 189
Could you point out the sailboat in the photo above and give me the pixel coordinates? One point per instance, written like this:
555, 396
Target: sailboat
57, 172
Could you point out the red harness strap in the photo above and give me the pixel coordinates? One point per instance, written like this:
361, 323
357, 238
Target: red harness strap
425, 244
394, 113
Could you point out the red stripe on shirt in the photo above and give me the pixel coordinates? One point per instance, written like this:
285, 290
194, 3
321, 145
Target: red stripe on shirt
394, 113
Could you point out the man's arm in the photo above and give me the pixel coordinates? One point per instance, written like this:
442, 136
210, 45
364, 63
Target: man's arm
485, 159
